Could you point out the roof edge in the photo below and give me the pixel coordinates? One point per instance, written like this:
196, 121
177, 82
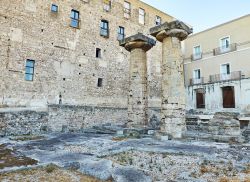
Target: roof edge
222, 24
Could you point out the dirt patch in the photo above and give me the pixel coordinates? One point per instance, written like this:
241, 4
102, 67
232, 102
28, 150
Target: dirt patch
49, 173
10, 158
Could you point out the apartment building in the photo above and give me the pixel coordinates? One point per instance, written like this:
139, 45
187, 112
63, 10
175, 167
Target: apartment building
217, 69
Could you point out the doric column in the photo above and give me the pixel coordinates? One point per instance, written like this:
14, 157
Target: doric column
137, 45
173, 91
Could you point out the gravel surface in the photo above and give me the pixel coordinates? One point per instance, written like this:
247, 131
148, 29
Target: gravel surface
104, 158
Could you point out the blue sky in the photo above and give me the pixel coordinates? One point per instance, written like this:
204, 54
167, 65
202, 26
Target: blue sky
203, 14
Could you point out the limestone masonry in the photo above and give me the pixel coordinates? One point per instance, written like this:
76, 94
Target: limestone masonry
67, 54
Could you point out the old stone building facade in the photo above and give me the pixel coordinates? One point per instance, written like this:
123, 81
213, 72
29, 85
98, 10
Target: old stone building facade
57, 57
66, 64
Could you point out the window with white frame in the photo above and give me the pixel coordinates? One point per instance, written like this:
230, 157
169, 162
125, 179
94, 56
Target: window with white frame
225, 69
197, 77
225, 72
141, 16
197, 74
197, 52
106, 5
225, 43
157, 20
127, 9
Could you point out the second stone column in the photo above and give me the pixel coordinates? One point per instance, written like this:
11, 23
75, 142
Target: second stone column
138, 45
173, 91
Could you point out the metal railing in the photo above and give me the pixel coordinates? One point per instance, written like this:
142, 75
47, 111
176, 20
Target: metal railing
225, 49
104, 32
196, 81
226, 77
196, 56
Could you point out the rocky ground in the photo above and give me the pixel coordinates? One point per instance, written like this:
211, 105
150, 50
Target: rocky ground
76, 157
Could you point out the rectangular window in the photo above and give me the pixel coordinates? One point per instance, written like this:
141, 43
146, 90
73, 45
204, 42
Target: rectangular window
157, 20
197, 79
106, 5
98, 53
197, 74
197, 53
99, 82
54, 8
29, 70
74, 18
141, 16
127, 9
225, 72
225, 44
104, 29
121, 33
225, 69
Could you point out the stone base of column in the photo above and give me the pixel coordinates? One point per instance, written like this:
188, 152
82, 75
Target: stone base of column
174, 127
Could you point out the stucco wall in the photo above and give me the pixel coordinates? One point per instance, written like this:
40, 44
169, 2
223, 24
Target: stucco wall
214, 100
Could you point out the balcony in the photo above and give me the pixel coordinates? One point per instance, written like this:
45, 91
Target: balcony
225, 77
196, 81
104, 32
196, 56
225, 49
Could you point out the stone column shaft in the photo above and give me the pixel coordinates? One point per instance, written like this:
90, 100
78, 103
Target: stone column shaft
138, 92
138, 45
173, 91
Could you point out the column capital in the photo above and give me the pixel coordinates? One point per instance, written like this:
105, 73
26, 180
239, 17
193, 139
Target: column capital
138, 41
175, 28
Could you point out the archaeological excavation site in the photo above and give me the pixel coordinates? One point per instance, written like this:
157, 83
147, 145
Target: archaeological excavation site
119, 91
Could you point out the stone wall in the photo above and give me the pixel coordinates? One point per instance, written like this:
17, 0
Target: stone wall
65, 61
23, 122
223, 127
66, 118
74, 118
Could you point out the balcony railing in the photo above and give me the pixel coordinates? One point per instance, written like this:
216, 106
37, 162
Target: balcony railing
196, 81
225, 49
226, 77
104, 32
196, 56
